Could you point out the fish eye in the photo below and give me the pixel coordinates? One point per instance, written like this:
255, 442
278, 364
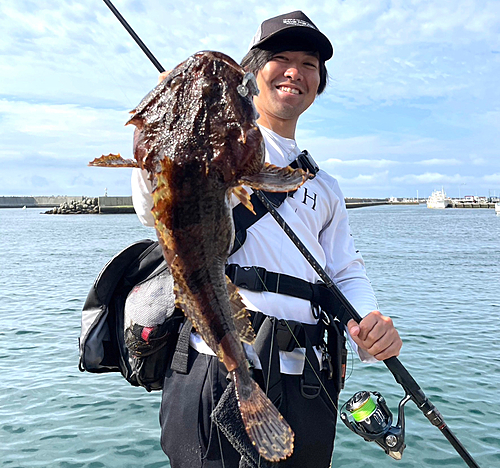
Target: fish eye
175, 82
248, 85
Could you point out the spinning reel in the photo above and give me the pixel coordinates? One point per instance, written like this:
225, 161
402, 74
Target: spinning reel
373, 421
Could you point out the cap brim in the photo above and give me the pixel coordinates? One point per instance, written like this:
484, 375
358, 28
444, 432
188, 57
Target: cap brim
320, 42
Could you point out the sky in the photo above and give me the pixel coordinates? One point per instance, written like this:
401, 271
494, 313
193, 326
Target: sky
412, 105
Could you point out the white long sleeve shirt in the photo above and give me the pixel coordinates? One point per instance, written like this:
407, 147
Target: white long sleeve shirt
317, 214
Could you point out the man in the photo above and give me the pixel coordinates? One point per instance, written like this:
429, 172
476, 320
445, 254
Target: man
287, 56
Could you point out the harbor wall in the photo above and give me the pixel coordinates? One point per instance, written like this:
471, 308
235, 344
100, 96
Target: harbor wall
111, 205
36, 202
362, 202
472, 205
106, 204
17, 202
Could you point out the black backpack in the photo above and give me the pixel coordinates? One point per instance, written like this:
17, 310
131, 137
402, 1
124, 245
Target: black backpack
129, 320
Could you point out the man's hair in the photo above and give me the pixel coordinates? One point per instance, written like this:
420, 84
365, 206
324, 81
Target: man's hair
256, 58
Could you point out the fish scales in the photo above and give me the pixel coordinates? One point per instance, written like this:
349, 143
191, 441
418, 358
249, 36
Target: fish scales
197, 137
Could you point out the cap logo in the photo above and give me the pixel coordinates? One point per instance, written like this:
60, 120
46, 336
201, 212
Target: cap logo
297, 22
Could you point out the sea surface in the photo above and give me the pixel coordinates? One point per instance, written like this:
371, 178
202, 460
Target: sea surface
435, 272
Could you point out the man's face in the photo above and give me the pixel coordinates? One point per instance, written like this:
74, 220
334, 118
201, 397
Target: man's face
288, 85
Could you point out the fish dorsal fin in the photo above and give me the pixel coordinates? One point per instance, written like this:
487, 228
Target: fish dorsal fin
113, 160
240, 314
244, 197
276, 179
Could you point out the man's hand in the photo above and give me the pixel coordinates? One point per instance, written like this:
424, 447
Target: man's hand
163, 75
376, 335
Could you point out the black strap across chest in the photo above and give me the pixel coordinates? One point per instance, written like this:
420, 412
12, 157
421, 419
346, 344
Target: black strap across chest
244, 218
258, 279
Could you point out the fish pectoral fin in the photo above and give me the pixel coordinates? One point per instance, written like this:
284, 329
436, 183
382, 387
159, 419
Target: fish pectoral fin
241, 317
244, 197
113, 160
276, 179
268, 431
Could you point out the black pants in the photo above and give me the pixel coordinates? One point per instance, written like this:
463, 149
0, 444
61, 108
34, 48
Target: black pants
191, 440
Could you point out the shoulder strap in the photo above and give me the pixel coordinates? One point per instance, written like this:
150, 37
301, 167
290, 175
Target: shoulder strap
180, 358
243, 218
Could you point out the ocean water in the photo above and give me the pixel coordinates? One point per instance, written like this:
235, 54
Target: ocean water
435, 272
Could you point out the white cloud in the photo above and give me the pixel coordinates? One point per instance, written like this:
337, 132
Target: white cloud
62, 130
376, 163
402, 147
431, 178
492, 179
378, 179
478, 160
440, 162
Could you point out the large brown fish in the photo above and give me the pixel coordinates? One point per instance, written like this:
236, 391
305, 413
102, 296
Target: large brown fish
196, 136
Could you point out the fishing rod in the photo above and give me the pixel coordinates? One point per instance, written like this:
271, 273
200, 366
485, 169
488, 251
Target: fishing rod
136, 38
371, 420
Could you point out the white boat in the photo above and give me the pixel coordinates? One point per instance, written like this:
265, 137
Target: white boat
439, 200
497, 208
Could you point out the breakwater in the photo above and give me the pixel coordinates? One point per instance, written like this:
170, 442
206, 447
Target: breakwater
362, 202
36, 202
71, 205
462, 204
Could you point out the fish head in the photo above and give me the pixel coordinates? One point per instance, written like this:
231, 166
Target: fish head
202, 115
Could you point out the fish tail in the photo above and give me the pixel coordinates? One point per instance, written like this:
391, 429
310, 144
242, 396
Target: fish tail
268, 431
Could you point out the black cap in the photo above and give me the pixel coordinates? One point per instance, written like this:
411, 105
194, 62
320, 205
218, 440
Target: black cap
295, 24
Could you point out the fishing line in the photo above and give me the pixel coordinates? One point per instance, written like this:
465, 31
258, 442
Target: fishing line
208, 361
311, 365
295, 338
287, 153
352, 352
210, 381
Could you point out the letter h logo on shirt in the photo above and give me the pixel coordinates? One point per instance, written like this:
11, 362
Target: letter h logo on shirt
313, 198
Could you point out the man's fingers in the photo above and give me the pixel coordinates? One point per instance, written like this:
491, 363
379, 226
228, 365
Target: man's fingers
376, 334
392, 350
369, 327
163, 75
353, 328
386, 346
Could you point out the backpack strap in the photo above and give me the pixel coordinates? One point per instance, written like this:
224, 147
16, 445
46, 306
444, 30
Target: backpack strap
258, 279
244, 218
181, 354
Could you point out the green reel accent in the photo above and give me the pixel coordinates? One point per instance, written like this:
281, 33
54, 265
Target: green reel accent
364, 411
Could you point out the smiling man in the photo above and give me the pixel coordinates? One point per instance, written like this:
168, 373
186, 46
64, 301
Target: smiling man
298, 365
288, 84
